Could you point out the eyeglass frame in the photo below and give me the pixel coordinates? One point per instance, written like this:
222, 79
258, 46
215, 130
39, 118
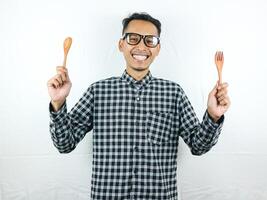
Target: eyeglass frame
142, 37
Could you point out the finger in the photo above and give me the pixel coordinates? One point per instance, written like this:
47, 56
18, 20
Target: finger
57, 81
50, 83
53, 83
222, 102
221, 92
214, 90
63, 75
221, 98
223, 85
63, 70
225, 102
60, 79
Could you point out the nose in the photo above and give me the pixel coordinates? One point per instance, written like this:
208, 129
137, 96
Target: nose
141, 44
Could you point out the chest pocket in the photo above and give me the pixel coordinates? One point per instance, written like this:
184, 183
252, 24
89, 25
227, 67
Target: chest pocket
158, 127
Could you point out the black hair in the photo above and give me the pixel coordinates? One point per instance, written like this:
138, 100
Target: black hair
141, 16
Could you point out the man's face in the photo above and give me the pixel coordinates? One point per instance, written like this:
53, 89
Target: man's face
139, 57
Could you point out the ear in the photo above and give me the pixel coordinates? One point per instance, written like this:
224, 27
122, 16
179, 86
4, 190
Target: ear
120, 45
158, 49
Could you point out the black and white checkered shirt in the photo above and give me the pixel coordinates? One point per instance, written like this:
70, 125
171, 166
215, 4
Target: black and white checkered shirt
136, 126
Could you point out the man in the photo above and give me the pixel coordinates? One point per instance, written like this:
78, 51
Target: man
136, 120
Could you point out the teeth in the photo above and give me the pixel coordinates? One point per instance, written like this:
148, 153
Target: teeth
140, 57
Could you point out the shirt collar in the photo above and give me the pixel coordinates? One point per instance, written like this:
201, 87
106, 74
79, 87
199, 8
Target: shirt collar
129, 79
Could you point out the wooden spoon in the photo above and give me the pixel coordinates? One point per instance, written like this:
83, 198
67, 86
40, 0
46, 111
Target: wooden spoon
219, 59
66, 46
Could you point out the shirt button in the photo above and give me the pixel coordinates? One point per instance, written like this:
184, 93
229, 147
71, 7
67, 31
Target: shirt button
136, 148
131, 197
137, 98
135, 171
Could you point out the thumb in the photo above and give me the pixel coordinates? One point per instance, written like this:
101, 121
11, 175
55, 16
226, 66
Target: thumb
64, 72
214, 90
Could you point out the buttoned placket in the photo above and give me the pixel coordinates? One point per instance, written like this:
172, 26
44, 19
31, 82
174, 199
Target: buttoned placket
137, 92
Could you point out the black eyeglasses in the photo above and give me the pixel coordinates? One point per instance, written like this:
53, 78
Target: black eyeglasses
150, 41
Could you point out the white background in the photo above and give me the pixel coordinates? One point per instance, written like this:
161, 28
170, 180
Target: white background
31, 46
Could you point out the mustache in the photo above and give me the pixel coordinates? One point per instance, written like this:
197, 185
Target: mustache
142, 53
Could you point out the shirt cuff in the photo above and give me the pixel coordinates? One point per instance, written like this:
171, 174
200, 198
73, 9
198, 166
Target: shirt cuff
210, 121
213, 127
58, 115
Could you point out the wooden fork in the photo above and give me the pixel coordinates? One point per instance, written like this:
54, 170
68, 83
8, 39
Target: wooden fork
219, 64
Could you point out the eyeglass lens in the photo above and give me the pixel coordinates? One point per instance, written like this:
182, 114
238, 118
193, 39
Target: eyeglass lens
149, 40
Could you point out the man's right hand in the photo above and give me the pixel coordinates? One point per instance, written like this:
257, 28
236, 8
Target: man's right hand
59, 87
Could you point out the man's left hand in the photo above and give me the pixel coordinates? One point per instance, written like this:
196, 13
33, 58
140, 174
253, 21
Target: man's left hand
218, 101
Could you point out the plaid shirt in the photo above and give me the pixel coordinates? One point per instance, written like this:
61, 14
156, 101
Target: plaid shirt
136, 126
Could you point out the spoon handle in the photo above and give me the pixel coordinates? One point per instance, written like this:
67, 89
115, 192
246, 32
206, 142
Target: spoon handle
65, 60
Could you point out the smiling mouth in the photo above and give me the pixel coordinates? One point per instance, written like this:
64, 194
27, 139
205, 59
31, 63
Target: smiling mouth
140, 57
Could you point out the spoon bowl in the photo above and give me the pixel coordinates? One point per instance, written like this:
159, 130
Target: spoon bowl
66, 46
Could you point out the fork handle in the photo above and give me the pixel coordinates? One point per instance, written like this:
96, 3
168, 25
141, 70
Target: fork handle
220, 77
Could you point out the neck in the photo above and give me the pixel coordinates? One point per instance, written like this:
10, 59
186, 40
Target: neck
137, 75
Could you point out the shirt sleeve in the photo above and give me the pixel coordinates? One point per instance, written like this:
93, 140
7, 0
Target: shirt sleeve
68, 129
200, 137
